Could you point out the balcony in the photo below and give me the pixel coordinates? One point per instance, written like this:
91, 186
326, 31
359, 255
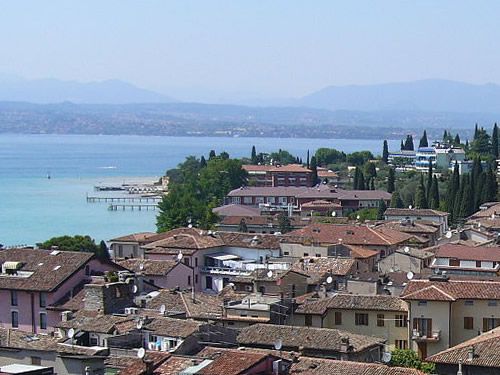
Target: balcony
225, 271
426, 336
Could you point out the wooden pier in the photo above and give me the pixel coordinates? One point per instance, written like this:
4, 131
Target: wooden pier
93, 199
132, 206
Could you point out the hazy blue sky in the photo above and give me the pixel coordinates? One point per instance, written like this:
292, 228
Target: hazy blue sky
270, 48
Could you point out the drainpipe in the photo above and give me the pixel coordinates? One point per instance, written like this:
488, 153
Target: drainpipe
33, 322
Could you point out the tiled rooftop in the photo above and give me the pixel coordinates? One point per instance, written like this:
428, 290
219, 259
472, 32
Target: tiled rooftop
451, 290
319, 268
149, 267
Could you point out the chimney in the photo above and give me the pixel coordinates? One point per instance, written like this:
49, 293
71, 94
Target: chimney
471, 353
344, 344
149, 366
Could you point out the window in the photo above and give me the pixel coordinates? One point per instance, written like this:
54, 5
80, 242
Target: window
135, 251
422, 327
196, 279
196, 262
401, 321
361, 319
43, 299
120, 251
186, 261
43, 321
247, 200
380, 320
87, 270
93, 341
492, 303
208, 282
490, 323
271, 200
283, 200
189, 280
468, 322
153, 338
422, 303
36, 361
478, 263
259, 200
13, 297
338, 318
469, 303
236, 200
286, 253
14, 319
306, 254
454, 262
317, 255
401, 344
308, 321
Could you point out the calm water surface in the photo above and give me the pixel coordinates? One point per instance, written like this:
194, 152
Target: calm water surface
34, 208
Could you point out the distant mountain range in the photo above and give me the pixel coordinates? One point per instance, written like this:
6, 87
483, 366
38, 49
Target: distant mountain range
43, 91
432, 95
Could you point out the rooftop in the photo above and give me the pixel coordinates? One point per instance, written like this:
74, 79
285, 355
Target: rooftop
149, 267
134, 237
319, 268
410, 212
469, 252
451, 290
163, 326
328, 339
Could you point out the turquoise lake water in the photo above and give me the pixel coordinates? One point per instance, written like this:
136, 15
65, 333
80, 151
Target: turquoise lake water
34, 208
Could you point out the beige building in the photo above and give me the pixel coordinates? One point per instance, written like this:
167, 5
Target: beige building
372, 315
445, 313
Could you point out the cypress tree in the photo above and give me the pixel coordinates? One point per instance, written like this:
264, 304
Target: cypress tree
402, 146
445, 136
356, 179
372, 183
409, 143
314, 169
434, 194
242, 228
423, 140
396, 201
203, 162
253, 156
457, 140
102, 252
476, 131
452, 192
429, 182
361, 181
307, 161
381, 209
385, 153
391, 181
480, 191
494, 141
212, 155
420, 198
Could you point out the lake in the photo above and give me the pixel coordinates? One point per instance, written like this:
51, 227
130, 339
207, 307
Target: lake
35, 208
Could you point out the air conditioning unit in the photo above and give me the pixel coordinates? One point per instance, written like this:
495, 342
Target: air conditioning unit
131, 310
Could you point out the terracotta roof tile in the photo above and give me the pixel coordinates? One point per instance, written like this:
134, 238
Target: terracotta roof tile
236, 210
173, 366
134, 237
264, 335
414, 212
319, 268
149, 267
233, 363
451, 290
469, 252
290, 168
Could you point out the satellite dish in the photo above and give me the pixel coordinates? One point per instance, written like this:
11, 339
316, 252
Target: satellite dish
334, 213
386, 357
278, 344
139, 324
135, 289
141, 266
71, 333
141, 353
179, 256
410, 206
163, 308
479, 225
492, 216
406, 249
358, 217
329, 280
448, 234
269, 273
410, 275
190, 225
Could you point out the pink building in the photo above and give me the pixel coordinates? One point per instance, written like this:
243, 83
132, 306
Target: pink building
31, 280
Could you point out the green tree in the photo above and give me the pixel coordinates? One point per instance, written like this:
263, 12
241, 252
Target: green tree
364, 214
452, 191
420, 198
481, 143
307, 161
284, 224
359, 157
423, 141
68, 243
102, 252
382, 206
253, 156
434, 194
385, 152
429, 181
445, 136
402, 146
391, 181
409, 359
314, 169
282, 157
242, 227
325, 156
494, 141
212, 154
396, 201
457, 140
409, 143
203, 162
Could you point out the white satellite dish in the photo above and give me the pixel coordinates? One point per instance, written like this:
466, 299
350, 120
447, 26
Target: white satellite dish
406, 249
135, 289
163, 308
71, 333
269, 273
141, 353
492, 216
141, 266
410, 275
278, 344
190, 225
179, 256
139, 324
334, 213
410, 206
386, 357
329, 280
358, 217
449, 234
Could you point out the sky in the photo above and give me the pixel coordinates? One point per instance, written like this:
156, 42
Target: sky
268, 49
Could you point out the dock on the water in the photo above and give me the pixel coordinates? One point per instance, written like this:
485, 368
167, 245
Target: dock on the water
94, 199
132, 206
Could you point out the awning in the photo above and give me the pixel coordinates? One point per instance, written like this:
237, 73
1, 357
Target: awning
223, 256
11, 265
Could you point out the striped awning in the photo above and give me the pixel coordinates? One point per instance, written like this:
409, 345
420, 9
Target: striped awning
11, 265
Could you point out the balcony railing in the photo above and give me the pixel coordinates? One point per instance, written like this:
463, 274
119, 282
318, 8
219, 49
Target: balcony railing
421, 335
225, 271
